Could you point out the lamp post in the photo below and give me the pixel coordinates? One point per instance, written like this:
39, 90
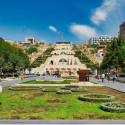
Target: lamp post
81, 57
42, 58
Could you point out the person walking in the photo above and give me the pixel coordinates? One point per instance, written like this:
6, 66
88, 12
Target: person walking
22, 76
114, 78
108, 77
103, 76
98, 77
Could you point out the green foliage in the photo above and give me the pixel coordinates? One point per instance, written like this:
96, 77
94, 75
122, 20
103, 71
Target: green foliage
89, 99
102, 43
31, 49
64, 92
11, 55
115, 54
50, 89
113, 107
80, 89
94, 45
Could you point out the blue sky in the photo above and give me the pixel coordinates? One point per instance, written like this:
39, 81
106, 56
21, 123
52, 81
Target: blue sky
47, 19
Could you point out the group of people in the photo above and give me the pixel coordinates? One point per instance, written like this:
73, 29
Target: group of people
107, 77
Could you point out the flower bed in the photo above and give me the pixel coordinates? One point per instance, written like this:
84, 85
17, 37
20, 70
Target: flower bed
20, 88
64, 92
50, 89
113, 107
78, 89
96, 97
72, 86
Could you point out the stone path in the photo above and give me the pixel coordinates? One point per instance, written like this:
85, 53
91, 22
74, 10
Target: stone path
117, 86
9, 83
56, 122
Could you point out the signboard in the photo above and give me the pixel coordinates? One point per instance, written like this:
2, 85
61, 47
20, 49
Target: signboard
83, 75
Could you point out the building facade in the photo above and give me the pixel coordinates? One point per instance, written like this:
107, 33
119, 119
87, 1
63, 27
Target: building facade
96, 40
30, 40
122, 30
101, 50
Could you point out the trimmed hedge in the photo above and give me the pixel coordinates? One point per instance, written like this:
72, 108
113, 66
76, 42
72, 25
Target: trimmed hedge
88, 99
24, 88
66, 88
50, 90
106, 107
64, 92
78, 89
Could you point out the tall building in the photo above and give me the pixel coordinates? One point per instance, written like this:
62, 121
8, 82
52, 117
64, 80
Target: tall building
97, 39
122, 30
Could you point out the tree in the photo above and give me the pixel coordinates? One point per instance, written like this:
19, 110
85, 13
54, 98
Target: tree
102, 43
1, 61
8, 66
20, 65
14, 59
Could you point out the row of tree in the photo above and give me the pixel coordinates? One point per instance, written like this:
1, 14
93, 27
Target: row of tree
31, 50
12, 59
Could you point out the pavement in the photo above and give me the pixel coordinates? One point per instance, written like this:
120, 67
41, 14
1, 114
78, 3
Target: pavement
117, 86
66, 122
12, 82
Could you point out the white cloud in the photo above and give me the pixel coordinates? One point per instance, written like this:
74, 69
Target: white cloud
53, 28
101, 13
83, 31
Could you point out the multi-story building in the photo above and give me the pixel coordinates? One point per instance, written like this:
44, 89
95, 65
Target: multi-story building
122, 30
97, 39
30, 40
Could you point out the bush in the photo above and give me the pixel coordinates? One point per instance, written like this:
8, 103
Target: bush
64, 92
50, 89
65, 88
21, 88
113, 107
78, 89
107, 98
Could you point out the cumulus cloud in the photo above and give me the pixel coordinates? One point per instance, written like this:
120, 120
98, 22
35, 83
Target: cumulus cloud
83, 31
100, 13
53, 28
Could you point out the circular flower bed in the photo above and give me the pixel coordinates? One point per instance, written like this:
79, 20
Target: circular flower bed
20, 88
50, 89
64, 92
113, 107
96, 97
80, 89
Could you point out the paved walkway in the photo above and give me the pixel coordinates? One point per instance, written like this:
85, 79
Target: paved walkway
62, 122
9, 83
117, 86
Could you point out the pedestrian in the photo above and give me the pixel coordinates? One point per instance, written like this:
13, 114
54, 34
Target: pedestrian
98, 77
108, 77
114, 78
103, 76
22, 76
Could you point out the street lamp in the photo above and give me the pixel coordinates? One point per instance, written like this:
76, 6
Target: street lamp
81, 57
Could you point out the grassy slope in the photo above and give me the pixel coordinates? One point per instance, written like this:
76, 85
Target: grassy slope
34, 105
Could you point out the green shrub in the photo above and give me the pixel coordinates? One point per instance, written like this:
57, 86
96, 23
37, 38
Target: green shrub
80, 89
113, 107
64, 92
107, 98
23, 88
66, 88
50, 89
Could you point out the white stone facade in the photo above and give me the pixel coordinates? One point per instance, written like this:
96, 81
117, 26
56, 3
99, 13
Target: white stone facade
62, 62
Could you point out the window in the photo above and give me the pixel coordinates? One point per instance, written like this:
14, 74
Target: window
62, 53
62, 60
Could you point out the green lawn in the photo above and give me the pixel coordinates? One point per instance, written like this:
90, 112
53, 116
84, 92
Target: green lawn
35, 104
42, 82
94, 82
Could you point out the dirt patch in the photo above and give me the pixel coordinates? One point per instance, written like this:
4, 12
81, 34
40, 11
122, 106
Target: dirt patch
27, 98
34, 117
15, 117
77, 118
38, 94
70, 106
57, 101
61, 118
11, 105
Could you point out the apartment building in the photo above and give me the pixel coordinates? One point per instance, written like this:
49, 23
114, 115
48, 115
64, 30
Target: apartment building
122, 30
97, 39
